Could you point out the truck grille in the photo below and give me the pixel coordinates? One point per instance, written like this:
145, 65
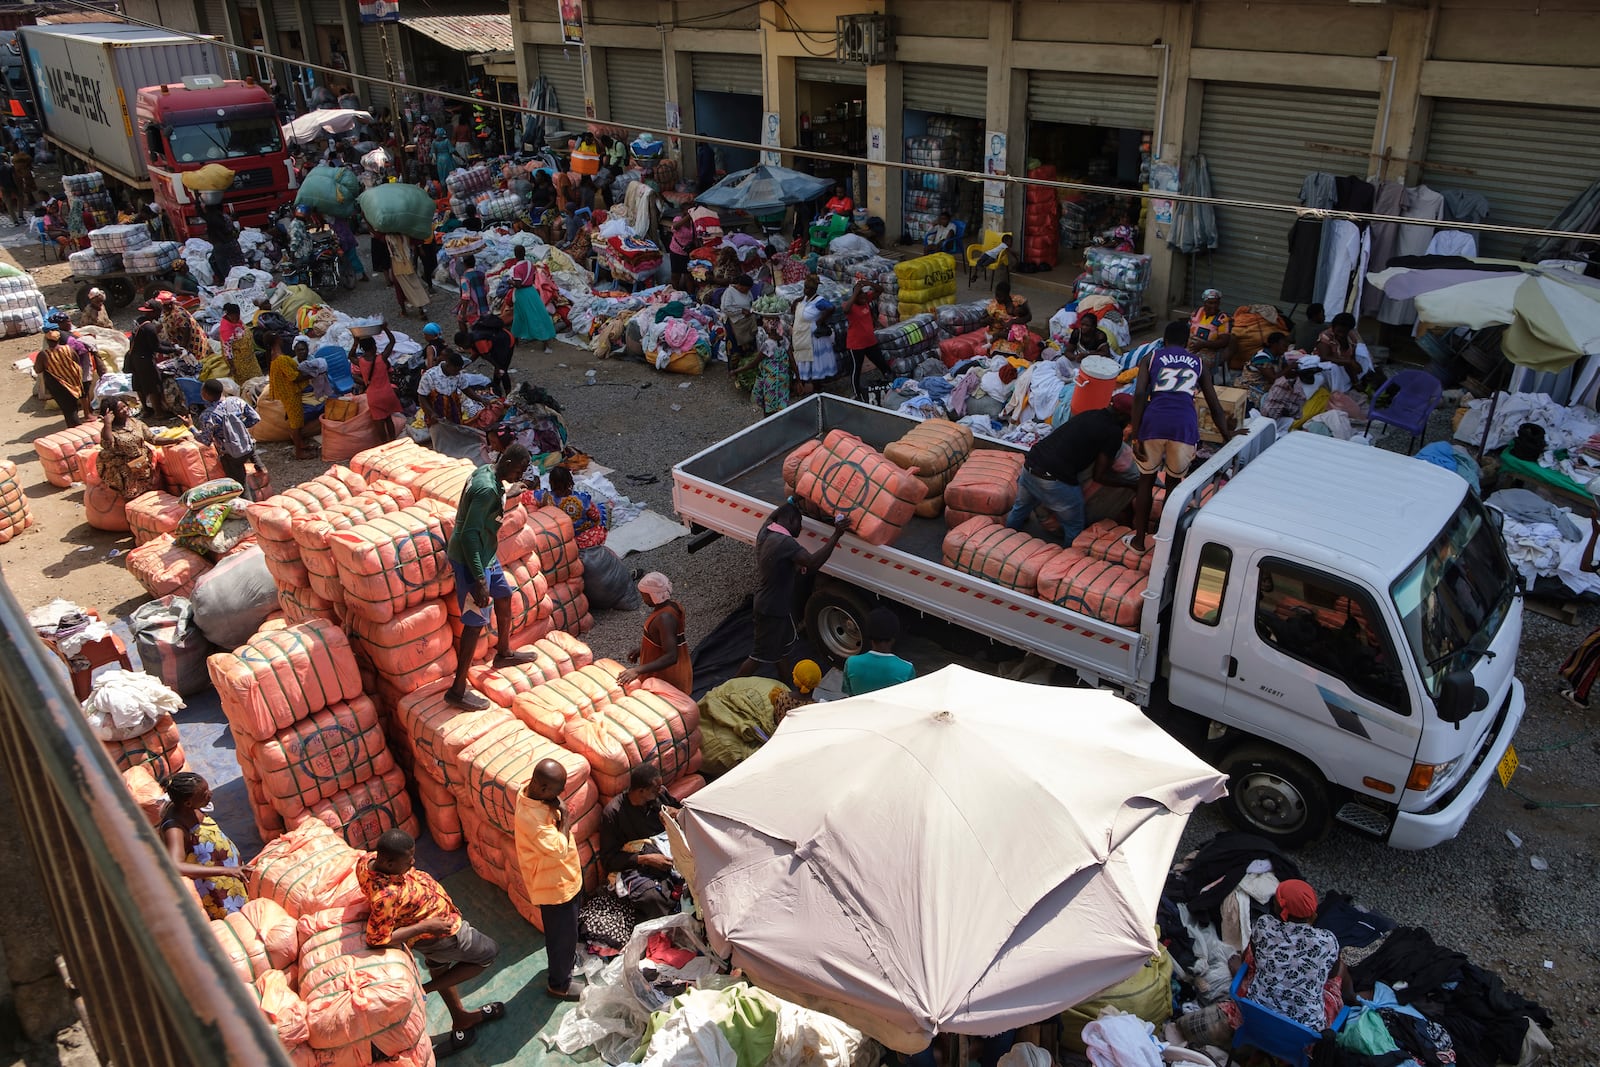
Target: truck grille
260, 178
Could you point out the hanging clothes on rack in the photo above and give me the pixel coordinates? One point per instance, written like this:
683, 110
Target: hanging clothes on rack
1427, 206
1318, 191
1390, 200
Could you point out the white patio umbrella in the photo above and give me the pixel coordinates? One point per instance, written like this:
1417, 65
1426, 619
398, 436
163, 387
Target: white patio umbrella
957, 854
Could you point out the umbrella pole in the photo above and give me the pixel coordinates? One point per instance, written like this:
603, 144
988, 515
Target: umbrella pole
1488, 420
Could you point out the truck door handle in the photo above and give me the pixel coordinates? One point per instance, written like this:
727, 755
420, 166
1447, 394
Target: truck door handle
1230, 666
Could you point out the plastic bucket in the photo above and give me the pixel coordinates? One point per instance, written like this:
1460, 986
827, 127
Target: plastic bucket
1096, 381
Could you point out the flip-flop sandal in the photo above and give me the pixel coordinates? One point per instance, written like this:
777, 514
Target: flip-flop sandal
514, 659
468, 701
568, 996
493, 1011
455, 1041
1127, 540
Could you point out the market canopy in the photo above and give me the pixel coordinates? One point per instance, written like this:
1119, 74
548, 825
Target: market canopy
960, 853
763, 190
1551, 315
324, 122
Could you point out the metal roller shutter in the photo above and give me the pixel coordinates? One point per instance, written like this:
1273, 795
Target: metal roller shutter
327, 13
826, 70
638, 88
1260, 142
945, 90
372, 60
722, 73
1092, 99
216, 18
564, 68
1527, 161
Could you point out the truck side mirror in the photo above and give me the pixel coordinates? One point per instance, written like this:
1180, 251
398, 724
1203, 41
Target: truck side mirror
1460, 698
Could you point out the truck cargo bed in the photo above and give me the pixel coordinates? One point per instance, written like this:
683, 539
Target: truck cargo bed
732, 486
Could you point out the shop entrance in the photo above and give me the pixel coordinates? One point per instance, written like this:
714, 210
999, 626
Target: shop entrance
832, 100
943, 127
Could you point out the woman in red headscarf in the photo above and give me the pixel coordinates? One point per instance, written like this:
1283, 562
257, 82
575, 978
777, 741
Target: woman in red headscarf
1294, 966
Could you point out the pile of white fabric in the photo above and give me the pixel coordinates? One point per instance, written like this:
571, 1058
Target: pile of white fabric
1564, 427
125, 704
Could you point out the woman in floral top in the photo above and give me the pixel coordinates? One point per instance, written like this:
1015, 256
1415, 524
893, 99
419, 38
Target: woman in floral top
590, 520
198, 846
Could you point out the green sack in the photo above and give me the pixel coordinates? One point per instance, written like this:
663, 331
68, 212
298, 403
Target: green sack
1366, 1033
1146, 993
398, 208
330, 190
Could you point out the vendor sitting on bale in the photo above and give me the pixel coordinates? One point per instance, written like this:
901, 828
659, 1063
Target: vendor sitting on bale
630, 850
450, 396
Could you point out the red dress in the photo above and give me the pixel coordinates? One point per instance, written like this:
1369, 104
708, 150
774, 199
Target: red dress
382, 400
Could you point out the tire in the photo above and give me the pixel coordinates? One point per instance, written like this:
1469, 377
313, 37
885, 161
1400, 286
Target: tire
1276, 794
836, 620
119, 292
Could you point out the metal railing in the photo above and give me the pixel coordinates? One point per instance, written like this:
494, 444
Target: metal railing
156, 988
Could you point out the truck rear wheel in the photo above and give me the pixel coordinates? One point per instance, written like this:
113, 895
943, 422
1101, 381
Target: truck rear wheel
1276, 794
836, 620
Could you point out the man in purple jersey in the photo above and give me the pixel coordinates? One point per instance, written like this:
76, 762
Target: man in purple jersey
1166, 428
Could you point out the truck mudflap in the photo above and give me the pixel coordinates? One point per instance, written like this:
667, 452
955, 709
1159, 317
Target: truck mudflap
1444, 819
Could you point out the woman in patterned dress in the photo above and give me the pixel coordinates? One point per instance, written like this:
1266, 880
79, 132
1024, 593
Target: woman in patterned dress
198, 846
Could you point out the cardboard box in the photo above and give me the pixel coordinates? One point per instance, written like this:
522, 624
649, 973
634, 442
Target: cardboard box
1235, 404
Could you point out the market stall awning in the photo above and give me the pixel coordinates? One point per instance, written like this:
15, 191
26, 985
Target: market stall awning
466, 33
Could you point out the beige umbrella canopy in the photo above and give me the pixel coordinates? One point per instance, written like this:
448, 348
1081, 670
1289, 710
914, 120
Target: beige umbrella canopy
957, 854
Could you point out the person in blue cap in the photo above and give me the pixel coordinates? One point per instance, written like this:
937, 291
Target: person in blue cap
433, 345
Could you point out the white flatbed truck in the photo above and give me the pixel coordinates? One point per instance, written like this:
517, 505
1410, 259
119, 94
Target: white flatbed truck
1333, 626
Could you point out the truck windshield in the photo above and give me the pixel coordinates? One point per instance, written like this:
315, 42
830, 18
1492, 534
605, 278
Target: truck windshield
1453, 598
235, 138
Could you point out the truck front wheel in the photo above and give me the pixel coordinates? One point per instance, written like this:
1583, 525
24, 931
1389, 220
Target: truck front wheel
836, 619
1276, 794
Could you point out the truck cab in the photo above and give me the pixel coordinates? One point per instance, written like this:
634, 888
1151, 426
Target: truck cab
1344, 622
206, 119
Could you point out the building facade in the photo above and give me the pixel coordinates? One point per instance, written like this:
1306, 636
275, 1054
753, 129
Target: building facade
1497, 97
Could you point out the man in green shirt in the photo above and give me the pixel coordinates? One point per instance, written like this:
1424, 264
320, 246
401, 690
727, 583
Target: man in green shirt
878, 667
478, 575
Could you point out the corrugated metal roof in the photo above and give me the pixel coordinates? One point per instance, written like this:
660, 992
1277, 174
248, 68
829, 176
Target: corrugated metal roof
466, 33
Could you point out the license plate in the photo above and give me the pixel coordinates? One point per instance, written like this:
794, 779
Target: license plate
1508, 766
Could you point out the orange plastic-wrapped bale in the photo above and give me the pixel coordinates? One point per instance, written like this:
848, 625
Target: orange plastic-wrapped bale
1103, 540
188, 463
440, 812
416, 643
258, 938
396, 461
986, 484
792, 462
363, 812
311, 532
846, 476
498, 765
58, 452
444, 482
933, 450
985, 549
281, 1004
105, 509
632, 730
269, 821
335, 749
549, 709
394, 562
358, 998
343, 439
279, 677
302, 605
556, 543
152, 514
15, 515
147, 792
162, 568
1107, 591
158, 749
556, 654
308, 869
530, 605
89, 465
571, 609
272, 518
438, 731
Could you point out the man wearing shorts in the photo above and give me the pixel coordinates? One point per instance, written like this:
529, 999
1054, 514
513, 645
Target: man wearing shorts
1166, 428
479, 578
410, 909
779, 558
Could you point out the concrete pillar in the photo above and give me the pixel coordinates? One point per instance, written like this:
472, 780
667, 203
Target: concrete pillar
1004, 114
884, 111
597, 95
28, 941
779, 85
1177, 135
269, 40
1400, 139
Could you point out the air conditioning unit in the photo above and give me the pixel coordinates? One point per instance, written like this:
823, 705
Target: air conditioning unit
864, 39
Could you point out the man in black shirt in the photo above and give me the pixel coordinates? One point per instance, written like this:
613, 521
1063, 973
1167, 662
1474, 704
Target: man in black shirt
626, 826
1050, 473
779, 558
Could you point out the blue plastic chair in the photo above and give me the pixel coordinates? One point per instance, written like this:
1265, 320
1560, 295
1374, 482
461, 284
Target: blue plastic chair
1266, 1031
1413, 395
339, 375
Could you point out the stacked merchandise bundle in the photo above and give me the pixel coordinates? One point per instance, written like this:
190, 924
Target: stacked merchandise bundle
985, 549
841, 475
22, 306
951, 142
466, 181
888, 297
157, 750
909, 342
87, 196
1041, 236
309, 742
103, 507
499, 206
272, 521
153, 514
120, 239
15, 515
926, 283
934, 451
986, 484
153, 258
962, 332
331, 999
165, 568
186, 465
1082, 216
1098, 575
1123, 276
87, 263
348, 428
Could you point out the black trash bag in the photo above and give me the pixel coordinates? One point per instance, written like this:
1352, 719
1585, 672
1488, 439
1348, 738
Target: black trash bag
607, 582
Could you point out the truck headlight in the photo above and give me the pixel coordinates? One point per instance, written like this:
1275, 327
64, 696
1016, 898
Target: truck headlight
1423, 775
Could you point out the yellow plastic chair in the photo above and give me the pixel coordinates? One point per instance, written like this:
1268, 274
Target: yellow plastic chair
977, 250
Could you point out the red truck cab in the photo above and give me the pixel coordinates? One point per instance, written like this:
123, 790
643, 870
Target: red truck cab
203, 120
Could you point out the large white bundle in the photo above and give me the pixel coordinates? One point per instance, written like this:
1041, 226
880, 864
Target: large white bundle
125, 704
